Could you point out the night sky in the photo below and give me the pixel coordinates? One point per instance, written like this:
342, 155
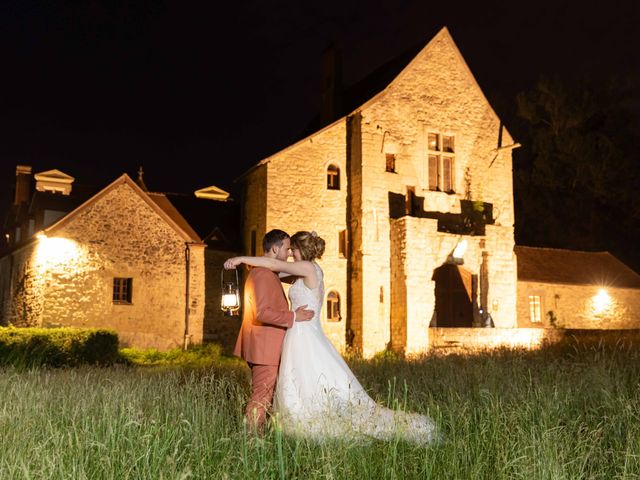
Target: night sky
197, 94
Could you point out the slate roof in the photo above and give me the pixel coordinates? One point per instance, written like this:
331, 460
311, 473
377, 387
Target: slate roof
550, 265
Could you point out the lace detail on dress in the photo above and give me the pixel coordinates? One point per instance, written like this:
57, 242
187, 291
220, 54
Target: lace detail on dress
318, 396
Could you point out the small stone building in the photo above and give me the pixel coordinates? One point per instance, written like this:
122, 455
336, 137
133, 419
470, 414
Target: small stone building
576, 290
411, 187
122, 258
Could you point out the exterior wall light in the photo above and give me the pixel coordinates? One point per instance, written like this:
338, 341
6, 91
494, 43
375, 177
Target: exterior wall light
601, 301
459, 251
55, 252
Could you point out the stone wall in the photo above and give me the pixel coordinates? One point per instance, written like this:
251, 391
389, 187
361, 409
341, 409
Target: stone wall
466, 340
254, 208
21, 288
435, 93
580, 306
118, 235
421, 249
470, 340
298, 199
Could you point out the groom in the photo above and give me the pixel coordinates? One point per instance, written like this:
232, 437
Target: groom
266, 317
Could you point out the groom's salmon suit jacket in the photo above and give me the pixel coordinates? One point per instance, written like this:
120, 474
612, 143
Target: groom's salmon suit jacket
265, 318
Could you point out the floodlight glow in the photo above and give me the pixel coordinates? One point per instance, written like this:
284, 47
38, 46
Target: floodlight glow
458, 252
601, 301
55, 250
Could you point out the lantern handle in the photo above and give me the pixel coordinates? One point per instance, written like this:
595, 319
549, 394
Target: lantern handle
222, 277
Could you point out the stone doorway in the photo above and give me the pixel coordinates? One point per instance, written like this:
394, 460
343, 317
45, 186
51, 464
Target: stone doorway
454, 305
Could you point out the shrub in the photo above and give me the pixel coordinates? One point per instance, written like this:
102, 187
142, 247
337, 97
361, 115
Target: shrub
57, 347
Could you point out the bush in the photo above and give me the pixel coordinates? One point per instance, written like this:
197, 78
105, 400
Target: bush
57, 347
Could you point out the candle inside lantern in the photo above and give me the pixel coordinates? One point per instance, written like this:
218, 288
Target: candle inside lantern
230, 301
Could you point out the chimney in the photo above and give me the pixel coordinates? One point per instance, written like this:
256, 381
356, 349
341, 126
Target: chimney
23, 184
331, 87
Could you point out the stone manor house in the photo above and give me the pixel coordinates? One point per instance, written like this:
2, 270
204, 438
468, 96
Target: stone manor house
410, 184
407, 176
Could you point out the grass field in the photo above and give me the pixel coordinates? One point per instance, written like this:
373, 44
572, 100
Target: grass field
509, 414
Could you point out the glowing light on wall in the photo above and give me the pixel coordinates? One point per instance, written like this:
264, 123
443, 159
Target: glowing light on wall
601, 301
460, 249
55, 251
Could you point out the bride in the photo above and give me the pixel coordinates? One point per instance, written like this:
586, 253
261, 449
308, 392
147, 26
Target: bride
317, 395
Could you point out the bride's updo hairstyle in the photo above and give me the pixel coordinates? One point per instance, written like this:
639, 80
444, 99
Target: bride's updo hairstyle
311, 245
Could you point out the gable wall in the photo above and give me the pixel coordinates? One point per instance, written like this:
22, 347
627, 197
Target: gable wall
436, 93
119, 235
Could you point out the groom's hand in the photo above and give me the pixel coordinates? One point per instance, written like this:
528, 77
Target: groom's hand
231, 263
303, 315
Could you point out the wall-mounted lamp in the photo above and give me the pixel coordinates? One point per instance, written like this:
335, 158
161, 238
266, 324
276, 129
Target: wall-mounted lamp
601, 301
458, 253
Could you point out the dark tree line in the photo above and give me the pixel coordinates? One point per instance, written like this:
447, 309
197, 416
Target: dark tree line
577, 176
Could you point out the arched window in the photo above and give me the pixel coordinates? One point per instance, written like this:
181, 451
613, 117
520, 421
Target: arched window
333, 307
333, 177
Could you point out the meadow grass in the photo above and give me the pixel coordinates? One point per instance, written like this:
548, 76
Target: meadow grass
550, 414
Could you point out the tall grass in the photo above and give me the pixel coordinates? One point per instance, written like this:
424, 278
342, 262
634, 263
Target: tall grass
509, 414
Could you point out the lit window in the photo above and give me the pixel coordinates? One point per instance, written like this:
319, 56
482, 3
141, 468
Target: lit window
534, 308
434, 142
333, 177
391, 162
333, 307
441, 162
122, 290
447, 143
342, 243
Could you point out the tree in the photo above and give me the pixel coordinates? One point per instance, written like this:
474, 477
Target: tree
577, 176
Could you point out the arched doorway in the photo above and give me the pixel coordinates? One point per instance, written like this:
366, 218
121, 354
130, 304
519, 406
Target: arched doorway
454, 304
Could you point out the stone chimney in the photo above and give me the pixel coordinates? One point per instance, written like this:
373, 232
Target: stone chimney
331, 87
23, 184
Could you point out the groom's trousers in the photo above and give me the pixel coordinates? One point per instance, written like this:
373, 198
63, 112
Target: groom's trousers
263, 384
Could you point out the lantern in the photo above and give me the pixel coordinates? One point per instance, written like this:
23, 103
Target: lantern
230, 302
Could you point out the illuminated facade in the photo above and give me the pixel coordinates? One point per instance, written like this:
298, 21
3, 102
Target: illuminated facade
411, 187
576, 290
406, 177
123, 259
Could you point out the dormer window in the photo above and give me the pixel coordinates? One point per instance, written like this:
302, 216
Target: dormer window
441, 162
333, 177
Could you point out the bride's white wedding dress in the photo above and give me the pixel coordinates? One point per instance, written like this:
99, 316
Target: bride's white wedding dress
318, 396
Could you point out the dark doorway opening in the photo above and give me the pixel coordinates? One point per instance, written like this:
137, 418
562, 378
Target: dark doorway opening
454, 305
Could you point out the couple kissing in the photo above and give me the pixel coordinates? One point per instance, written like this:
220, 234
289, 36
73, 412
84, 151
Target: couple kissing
296, 373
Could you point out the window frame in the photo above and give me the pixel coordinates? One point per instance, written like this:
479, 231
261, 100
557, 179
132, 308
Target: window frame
122, 291
333, 177
333, 307
535, 308
441, 177
390, 163
342, 243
